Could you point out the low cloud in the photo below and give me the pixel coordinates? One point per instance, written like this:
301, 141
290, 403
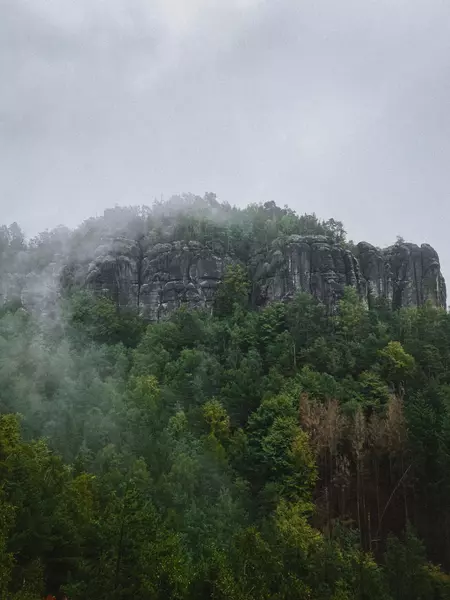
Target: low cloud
339, 108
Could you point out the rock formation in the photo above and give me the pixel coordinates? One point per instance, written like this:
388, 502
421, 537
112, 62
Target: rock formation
404, 274
156, 279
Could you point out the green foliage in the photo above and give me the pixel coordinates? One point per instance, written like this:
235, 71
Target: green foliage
396, 364
408, 574
233, 292
279, 453
218, 457
100, 319
217, 419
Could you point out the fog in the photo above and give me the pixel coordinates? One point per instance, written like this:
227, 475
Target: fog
338, 108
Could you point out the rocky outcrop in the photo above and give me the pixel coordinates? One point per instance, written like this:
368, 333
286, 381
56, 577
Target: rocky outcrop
176, 274
305, 264
157, 279
405, 274
154, 279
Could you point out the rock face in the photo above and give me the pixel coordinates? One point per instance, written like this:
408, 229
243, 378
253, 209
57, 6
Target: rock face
157, 279
178, 273
403, 274
306, 264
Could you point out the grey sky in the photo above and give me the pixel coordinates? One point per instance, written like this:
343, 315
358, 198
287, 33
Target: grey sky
338, 107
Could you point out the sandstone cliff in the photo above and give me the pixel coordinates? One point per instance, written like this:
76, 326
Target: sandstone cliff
157, 279
137, 257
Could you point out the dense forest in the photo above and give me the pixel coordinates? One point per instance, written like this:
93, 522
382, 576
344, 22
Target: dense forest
239, 453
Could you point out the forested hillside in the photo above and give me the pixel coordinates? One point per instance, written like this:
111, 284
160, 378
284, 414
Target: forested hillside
235, 451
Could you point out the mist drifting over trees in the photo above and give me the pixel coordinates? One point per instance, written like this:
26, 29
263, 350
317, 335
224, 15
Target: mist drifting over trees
238, 452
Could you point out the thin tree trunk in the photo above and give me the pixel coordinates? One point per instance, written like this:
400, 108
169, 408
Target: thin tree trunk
119, 556
377, 485
405, 500
358, 502
120, 543
363, 500
392, 495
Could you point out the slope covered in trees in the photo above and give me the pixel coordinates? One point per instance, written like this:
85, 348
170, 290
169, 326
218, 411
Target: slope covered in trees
238, 454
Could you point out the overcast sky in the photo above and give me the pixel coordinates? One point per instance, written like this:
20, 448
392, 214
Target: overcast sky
336, 107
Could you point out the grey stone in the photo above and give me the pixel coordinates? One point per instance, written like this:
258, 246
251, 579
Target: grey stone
156, 279
166, 276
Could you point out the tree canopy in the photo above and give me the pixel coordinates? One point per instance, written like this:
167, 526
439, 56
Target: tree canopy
235, 454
